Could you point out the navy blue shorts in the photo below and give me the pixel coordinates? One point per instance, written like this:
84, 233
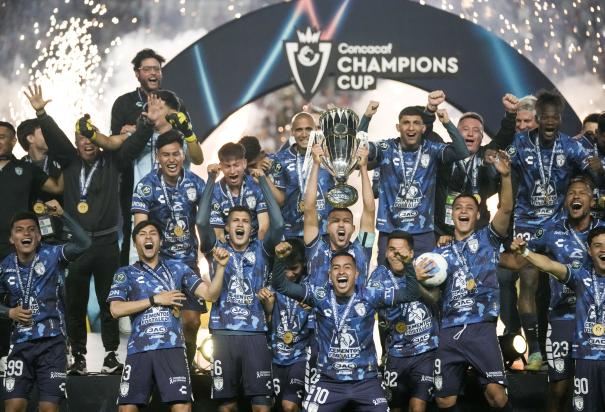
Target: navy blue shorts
193, 302
166, 368
410, 377
524, 230
241, 360
329, 395
289, 382
558, 349
474, 345
311, 373
589, 386
43, 361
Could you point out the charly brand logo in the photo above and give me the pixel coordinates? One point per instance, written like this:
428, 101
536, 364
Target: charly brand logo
308, 59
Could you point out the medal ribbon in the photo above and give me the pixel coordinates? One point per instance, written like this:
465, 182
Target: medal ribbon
578, 241
545, 178
302, 174
86, 179
472, 167
27, 291
166, 283
242, 190
460, 257
339, 323
167, 198
599, 296
407, 183
287, 321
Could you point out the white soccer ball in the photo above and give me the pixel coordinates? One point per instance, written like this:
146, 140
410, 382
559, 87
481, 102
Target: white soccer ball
439, 271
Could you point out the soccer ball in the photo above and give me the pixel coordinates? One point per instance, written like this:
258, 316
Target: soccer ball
439, 271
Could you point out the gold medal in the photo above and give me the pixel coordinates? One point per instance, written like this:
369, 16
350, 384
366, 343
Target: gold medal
176, 311
178, 231
477, 197
301, 206
401, 327
288, 337
598, 329
39, 208
470, 284
82, 207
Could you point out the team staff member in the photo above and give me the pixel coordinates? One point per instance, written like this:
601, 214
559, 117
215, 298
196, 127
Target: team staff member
33, 277
92, 179
170, 196
237, 320
470, 299
588, 282
32, 141
150, 292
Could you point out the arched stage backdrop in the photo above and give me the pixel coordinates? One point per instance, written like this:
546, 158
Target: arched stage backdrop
350, 42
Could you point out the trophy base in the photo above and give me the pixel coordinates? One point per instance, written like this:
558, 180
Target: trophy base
342, 196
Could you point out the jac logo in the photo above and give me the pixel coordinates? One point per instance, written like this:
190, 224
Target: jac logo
237, 311
155, 330
344, 365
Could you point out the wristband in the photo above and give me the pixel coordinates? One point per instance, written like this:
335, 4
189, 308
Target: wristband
41, 112
152, 301
192, 138
525, 253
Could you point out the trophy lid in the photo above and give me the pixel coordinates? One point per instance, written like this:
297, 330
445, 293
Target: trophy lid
339, 121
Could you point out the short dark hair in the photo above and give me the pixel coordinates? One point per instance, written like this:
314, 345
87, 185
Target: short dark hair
24, 215
591, 118
166, 138
251, 147
340, 209
549, 98
141, 225
24, 129
146, 54
601, 122
341, 253
582, 179
469, 195
9, 126
239, 208
399, 234
411, 111
231, 151
170, 98
597, 231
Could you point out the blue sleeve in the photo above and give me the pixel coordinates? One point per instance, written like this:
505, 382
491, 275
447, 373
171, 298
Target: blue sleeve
277, 173
285, 286
456, 150
411, 292
539, 243
207, 236
141, 198
190, 280
120, 287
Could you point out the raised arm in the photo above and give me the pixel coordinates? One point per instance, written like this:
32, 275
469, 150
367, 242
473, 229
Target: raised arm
210, 290
501, 163
506, 134
58, 143
310, 219
85, 128
79, 241
180, 121
279, 281
542, 262
206, 232
276, 220
411, 292
457, 150
368, 215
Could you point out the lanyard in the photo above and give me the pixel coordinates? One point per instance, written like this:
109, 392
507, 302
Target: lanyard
460, 257
407, 183
288, 320
27, 290
339, 323
471, 167
598, 297
86, 179
241, 193
545, 177
167, 198
168, 284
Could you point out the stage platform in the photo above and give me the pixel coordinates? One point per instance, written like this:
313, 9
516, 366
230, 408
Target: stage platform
98, 393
